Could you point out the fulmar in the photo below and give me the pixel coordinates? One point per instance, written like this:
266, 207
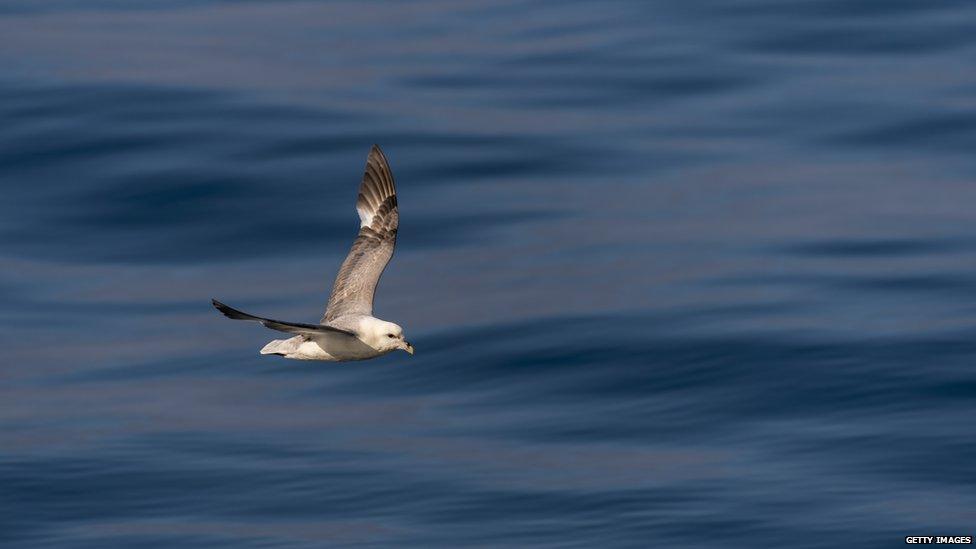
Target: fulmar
349, 331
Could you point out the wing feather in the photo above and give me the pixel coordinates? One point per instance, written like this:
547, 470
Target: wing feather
289, 327
379, 218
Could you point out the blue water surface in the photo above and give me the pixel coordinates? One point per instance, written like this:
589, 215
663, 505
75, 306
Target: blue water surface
679, 274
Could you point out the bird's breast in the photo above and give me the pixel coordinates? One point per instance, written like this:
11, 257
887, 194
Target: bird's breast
342, 347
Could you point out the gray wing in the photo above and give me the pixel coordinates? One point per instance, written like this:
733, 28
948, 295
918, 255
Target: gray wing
289, 327
352, 293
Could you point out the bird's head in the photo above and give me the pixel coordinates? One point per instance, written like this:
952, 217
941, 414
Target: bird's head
387, 336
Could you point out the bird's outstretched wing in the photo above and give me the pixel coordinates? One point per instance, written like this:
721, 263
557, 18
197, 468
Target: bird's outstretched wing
289, 327
352, 293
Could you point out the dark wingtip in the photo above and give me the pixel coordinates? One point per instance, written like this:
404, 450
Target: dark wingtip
377, 151
229, 312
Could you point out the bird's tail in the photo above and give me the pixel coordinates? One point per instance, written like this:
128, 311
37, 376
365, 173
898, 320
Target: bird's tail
282, 346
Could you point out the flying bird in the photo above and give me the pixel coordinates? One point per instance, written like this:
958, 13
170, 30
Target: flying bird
349, 331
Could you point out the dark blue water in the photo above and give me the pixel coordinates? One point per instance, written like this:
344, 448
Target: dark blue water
696, 274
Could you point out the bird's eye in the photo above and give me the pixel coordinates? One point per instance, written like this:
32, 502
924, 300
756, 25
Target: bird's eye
390, 335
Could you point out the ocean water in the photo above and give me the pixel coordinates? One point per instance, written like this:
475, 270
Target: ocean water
679, 274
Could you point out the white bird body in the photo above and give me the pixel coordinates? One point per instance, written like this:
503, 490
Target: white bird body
349, 331
335, 347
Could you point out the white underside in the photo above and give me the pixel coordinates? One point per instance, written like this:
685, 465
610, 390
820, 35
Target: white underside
331, 348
